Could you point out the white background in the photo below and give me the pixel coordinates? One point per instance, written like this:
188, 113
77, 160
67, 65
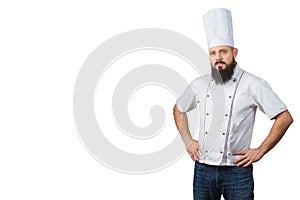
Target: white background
42, 48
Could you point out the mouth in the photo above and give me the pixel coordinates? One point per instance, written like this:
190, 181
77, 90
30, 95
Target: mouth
220, 65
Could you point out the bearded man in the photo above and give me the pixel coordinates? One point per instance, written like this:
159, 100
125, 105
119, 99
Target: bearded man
223, 158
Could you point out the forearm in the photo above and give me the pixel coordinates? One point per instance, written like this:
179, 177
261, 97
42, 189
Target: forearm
181, 122
280, 126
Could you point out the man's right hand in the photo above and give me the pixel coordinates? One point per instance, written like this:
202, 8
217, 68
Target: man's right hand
194, 150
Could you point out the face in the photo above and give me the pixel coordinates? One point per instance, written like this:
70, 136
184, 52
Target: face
222, 56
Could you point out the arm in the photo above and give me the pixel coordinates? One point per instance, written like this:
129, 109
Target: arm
181, 122
280, 126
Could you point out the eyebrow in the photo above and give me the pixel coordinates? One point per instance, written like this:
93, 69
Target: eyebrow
213, 51
223, 50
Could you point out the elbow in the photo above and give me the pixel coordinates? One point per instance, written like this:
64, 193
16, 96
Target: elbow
288, 118
291, 120
175, 109
285, 118
177, 112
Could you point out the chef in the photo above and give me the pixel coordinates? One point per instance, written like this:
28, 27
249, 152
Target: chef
227, 100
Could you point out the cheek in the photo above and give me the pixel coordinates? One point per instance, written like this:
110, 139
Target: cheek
229, 60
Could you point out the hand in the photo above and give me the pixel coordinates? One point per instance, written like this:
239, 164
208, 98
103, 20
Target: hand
194, 149
247, 157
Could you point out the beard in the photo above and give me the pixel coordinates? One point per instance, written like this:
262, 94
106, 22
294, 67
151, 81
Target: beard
223, 75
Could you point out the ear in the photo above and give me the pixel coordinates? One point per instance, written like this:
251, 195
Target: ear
235, 52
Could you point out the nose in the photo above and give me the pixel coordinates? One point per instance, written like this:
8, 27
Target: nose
218, 60
218, 57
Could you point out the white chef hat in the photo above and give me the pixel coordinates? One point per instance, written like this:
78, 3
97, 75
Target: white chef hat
218, 27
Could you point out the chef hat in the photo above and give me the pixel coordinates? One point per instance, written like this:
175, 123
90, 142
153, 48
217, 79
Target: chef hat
218, 27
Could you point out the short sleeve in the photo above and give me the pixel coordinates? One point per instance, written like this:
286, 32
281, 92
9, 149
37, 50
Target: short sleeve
188, 100
266, 100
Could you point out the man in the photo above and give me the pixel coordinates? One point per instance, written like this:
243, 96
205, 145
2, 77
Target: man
223, 157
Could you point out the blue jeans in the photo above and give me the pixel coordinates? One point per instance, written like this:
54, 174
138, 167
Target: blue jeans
234, 183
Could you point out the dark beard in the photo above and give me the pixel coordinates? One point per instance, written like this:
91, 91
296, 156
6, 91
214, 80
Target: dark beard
223, 75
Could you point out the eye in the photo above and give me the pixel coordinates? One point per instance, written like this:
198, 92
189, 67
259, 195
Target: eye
224, 51
212, 53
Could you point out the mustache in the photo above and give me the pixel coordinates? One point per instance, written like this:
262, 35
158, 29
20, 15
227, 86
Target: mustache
219, 62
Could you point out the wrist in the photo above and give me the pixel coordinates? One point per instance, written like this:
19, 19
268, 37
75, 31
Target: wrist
188, 141
262, 150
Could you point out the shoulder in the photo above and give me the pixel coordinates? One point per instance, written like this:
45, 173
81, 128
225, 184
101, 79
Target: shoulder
253, 80
255, 83
249, 76
201, 81
200, 84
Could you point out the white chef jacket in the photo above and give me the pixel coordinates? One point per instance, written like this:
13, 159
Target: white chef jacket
244, 92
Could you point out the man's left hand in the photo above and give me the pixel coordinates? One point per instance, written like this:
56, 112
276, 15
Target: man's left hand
247, 157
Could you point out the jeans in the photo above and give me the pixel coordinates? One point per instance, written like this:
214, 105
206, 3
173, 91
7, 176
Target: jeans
234, 183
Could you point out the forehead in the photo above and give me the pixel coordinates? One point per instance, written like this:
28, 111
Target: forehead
218, 48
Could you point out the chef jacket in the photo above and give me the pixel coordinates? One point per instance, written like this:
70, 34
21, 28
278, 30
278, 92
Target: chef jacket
235, 103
